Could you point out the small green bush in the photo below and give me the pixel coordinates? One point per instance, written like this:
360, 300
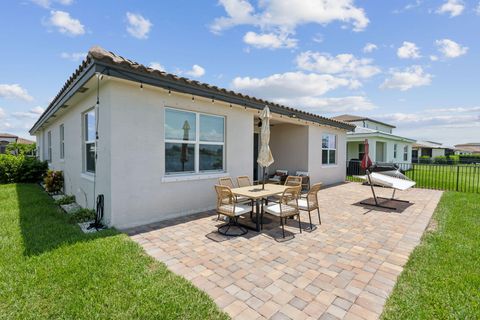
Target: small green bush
425, 159
53, 181
469, 158
65, 200
82, 215
440, 160
21, 169
453, 159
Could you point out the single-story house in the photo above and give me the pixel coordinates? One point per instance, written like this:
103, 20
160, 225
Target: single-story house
154, 144
384, 146
6, 139
430, 149
467, 148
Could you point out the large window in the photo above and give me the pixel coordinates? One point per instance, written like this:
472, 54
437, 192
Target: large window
89, 141
395, 147
194, 142
361, 151
405, 153
62, 142
49, 146
329, 149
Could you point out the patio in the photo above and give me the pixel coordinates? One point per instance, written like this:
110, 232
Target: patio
344, 269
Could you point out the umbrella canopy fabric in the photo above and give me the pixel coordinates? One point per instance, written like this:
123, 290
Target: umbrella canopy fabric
366, 162
265, 157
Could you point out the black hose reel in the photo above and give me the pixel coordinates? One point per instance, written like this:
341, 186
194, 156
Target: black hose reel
97, 224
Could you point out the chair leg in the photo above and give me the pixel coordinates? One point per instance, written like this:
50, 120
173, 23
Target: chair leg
283, 227
310, 218
319, 220
299, 223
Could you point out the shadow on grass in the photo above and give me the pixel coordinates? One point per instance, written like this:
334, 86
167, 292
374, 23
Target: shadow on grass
44, 226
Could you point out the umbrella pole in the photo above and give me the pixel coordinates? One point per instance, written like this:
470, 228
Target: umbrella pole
263, 178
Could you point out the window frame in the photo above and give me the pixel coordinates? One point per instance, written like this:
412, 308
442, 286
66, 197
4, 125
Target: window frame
328, 163
395, 150
62, 141
49, 146
86, 142
196, 143
405, 153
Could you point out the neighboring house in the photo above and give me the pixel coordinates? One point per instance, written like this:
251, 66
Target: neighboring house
154, 144
6, 139
467, 148
384, 146
430, 149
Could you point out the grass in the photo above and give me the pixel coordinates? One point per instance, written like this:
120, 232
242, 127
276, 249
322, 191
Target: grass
441, 279
442, 177
49, 269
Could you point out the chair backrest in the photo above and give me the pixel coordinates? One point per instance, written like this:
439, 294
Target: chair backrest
226, 181
302, 173
243, 181
225, 200
293, 181
291, 193
312, 196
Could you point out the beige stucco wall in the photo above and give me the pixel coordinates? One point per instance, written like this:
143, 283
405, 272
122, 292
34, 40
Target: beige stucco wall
78, 183
141, 192
438, 152
288, 143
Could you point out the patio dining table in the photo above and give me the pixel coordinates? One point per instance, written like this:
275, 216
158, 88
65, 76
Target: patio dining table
257, 194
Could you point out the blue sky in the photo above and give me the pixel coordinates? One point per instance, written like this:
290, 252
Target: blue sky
412, 63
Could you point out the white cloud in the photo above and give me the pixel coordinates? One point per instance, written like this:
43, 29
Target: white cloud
269, 40
37, 110
342, 64
452, 7
477, 9
14, 91
2, 113
289, 85
138, 26
282, 17
450, 49
65, 23
408, 50
330, 105
434, 57
406, 79
47, 3
196, 72
157, 66
31, 114
73, 56
369, 47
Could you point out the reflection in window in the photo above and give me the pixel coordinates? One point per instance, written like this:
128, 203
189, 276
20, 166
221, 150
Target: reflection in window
329, 149
89, 141
204, 152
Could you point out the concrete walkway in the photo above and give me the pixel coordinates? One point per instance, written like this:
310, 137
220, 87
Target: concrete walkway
344, 269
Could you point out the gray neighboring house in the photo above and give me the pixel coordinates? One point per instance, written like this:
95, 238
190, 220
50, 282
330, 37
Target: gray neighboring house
154, 144
6, 139
430, 149
384, 146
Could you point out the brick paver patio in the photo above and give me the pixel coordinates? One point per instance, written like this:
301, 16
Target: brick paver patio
344, 269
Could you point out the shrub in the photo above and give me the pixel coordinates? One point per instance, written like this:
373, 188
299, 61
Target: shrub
65, 200
21, 148
425, 159
82, 215
440, 160
469, 158
54, 181
21, 169
453, 159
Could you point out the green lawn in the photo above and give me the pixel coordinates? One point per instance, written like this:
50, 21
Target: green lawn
441, 280
49, 269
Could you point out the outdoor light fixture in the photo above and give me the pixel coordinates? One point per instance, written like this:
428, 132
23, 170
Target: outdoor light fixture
193, 99
169, 91
230, 105
213, 100
141, 86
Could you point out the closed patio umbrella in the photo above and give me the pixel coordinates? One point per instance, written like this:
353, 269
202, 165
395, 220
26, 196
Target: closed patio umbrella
265, 157
366, 162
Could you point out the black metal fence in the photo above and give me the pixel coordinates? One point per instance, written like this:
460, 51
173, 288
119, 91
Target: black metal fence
455, 177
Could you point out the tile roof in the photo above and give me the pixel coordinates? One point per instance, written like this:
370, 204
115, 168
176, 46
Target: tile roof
115, 65
7, 135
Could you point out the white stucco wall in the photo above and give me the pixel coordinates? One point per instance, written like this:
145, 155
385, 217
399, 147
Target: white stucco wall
327, 174
78, 183
373, 125
141, 192
438, 152
352, 150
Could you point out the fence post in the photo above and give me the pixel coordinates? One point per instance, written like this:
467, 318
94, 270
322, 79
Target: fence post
413, 171
458, 175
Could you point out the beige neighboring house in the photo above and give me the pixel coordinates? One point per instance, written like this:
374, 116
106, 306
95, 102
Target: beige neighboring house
6, 139
430, 149
384, 145
154, 144
467, 148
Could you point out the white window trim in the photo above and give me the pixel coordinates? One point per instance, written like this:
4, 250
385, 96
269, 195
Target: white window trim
62, 141
49, 146
405, 153
395, 150
329, 149
85, 141
179, 176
